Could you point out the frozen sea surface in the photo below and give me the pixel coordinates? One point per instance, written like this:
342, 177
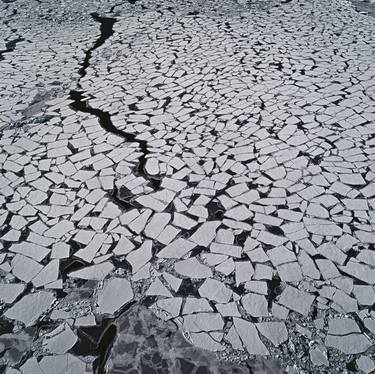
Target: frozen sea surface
187, 187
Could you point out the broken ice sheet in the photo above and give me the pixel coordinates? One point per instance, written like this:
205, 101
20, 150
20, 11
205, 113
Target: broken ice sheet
276, 152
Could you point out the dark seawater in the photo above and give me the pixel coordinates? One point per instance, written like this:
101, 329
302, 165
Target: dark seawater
365, 6
147, 345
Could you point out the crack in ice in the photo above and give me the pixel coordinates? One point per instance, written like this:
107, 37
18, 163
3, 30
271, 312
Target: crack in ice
80, 104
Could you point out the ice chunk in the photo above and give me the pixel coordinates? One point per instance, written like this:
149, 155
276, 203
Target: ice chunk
206, 233
203, 322
94, 272
276, 332
176, 249
25, 268
250, 338
192, 268
256, 305
205, 341
115, 293
48, 274
60, 340
296, 300
140, 256
10, 291
30, 307
215, 290
348, 344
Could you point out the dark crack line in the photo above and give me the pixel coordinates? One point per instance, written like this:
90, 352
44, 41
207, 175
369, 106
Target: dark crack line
122, 3
106, 31
11, 44
10, 47
80, 103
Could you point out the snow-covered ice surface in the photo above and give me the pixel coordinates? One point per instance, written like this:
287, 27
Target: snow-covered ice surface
187, 186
